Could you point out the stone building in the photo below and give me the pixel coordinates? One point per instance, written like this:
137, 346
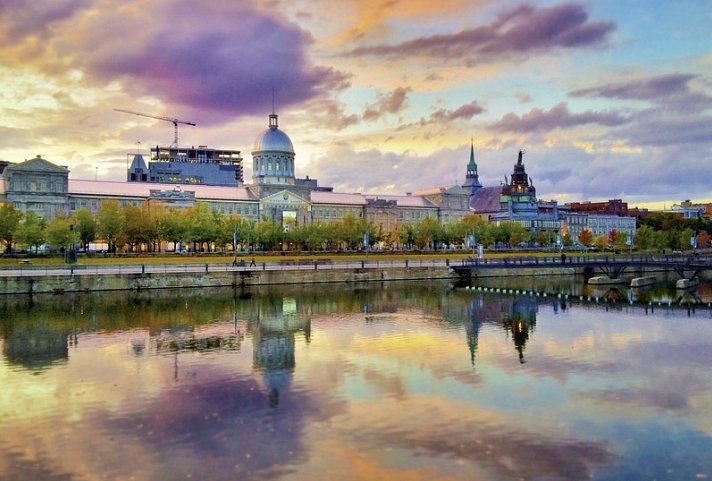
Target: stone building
276, 193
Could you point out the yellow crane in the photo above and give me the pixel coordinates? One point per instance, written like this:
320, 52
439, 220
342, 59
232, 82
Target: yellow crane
161, 117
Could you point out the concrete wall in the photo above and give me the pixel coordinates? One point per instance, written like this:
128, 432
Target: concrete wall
59, 284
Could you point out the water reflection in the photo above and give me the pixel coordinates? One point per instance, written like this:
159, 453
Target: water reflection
383, 381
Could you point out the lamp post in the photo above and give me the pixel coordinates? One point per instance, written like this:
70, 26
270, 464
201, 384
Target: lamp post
234, 247
72, 252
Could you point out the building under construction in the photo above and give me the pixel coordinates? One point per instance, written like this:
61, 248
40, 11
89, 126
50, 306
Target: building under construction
181, 165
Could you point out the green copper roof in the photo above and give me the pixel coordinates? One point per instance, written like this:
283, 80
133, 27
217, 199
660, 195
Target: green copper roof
472, 166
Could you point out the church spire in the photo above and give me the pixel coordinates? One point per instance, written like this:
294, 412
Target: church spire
472, 178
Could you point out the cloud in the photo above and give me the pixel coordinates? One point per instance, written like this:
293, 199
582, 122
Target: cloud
524, 97
221, 59
20, 19
559, 117
523, 30
671, 90
387, 104
464, 112
379, 172
667, 131
651, 88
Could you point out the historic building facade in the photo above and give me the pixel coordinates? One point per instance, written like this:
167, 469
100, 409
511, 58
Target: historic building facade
277, 194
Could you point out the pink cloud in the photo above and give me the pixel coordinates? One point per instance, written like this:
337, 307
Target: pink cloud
520, 31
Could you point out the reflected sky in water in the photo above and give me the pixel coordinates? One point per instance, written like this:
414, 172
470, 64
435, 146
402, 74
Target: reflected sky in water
354, 382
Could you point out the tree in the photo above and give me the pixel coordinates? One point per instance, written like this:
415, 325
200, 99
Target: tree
427, 232
9, 222
30, 232
542, 237
270, 234
703, 239
171, 226
407, 235
229, 225
202, 225
621, 242
139, 226
483, 231
612, 237
60, 233
567, 240
85, 225
644, 238
585, 237
110, 223
601, 242
684, 239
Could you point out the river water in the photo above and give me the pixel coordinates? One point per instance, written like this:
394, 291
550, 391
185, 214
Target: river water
392, 381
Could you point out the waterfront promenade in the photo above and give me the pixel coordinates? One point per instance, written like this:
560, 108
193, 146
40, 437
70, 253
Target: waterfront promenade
27, 278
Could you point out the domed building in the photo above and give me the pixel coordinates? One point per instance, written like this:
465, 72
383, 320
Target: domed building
273, 156
282, 196
273, 165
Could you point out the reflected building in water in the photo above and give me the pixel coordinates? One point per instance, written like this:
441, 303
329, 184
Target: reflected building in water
35, 345
519, 319
517, 316
274, 333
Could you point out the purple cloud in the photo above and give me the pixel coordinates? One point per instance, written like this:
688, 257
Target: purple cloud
642, 89
22, 18
520, 31
387, 104
218, 59
670, 131
670, 90
537, 120
464, 112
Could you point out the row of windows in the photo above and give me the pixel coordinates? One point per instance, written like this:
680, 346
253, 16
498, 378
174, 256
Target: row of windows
230, 209
414, 214
336, 213
35, 186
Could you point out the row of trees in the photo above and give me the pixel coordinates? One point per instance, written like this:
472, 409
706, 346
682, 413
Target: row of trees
147, 228
144, 228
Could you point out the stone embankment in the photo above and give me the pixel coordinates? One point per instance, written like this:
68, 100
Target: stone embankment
106, 280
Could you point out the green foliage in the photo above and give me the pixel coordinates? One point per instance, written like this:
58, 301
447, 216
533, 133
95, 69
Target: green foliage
86, 227
567, 240
30, 232
644, 238
601, 242
9, 222
270, 234
110, 223
60, 233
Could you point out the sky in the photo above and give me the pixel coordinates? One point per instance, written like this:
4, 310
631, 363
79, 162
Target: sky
607, 98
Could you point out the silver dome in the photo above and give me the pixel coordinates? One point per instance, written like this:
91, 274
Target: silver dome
273, 139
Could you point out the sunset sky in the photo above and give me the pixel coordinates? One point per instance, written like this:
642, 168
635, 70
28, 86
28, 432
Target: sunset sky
608, 98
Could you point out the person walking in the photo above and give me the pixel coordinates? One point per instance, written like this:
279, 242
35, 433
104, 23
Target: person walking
252, 261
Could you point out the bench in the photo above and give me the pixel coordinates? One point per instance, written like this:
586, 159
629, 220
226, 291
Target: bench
25, 261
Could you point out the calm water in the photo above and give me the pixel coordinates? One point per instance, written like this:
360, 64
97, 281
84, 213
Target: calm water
345, 382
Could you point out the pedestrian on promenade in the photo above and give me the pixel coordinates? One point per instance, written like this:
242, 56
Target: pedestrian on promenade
252, 262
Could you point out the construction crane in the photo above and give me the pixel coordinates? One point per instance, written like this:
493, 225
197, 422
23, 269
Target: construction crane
160, 117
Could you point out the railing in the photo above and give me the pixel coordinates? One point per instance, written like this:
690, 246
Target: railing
692, 261
197, 268
638, 260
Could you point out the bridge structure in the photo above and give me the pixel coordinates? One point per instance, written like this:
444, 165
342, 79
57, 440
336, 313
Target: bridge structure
686, 266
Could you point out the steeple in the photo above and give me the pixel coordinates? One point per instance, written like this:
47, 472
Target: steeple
472, 180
